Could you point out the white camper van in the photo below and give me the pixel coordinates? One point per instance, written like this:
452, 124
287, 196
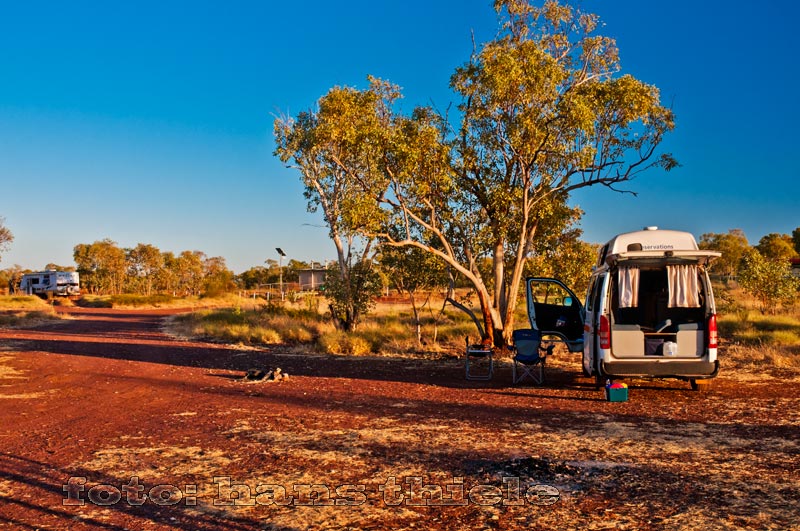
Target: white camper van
60, 283
649, 310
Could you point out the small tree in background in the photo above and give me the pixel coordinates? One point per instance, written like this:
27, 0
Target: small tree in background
733, 246
352, 296
779, 247
144, 263
102, 266
10, 278
167, 278
217, 278
253, 277
770, 281
412, 271
189, 272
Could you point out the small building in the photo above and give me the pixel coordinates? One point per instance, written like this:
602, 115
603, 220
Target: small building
795, 266
312, 279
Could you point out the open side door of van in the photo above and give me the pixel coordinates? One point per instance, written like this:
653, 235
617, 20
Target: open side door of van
555, 311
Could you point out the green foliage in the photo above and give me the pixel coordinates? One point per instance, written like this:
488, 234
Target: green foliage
770, 281
733, 246
144, 263
105, 268
352, 296
188, 272
776, 246
217, 278
102, 266
796, 240
337, 148
10, 278
570, 261
255, 277
411, 271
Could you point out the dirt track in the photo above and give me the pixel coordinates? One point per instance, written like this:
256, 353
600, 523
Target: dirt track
354, 443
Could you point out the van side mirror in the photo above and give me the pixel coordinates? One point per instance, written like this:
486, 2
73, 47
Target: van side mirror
567, 301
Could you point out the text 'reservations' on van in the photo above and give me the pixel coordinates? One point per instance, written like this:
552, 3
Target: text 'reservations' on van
649, 310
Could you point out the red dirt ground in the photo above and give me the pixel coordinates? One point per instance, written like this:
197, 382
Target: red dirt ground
106, 395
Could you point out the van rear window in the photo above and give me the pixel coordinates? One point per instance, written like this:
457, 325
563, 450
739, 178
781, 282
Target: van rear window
652, 308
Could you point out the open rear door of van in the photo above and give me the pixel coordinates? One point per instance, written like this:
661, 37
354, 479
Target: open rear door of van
555, 311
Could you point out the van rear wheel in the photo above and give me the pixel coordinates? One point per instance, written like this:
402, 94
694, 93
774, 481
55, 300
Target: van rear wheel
701, 386
599, 377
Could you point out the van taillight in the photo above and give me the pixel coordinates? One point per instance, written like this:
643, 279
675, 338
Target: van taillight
605, 333
712, 331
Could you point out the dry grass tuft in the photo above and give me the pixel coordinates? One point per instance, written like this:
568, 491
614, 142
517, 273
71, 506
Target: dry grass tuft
389, 330
160, 300
25, 318
755, 359
338, 342
22, 302
18, 311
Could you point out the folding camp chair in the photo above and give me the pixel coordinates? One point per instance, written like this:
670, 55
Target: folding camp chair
530, 357
475, 353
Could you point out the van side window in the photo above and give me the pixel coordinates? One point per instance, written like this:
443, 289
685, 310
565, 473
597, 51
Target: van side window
590, 294
598, 287
602, 255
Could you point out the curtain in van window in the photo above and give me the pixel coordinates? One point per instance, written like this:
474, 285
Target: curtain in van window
684, 287
628, 287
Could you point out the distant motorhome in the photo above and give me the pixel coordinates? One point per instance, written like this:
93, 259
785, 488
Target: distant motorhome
50, 283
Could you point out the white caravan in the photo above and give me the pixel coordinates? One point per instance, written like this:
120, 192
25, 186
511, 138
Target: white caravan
61, 283
649, 310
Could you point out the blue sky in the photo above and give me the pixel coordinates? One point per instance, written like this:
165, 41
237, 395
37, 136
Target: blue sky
152, 121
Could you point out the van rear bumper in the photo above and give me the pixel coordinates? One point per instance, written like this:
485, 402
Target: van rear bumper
662, 369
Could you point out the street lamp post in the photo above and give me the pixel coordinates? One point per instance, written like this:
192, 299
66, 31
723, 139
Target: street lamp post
280, 266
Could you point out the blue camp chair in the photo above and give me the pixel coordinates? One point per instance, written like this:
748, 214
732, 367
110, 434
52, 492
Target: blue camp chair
529, 357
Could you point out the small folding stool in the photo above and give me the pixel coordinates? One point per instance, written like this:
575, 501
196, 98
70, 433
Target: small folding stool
479, 362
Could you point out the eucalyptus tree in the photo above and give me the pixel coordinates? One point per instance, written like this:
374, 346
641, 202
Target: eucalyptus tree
543, 111
102, 266
145, 261
337, 149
